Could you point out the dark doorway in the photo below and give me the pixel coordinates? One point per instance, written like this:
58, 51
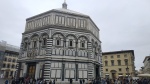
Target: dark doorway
31, 70
113, 76
7, 73
97, 72
113, 73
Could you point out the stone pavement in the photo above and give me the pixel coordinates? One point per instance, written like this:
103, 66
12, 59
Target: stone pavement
2, 80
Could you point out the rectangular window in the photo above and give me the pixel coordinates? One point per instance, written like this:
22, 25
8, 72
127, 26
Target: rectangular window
70, 43
112, 56
125, 55
82, 45
126, 62
70, 73
44, 41
119, 62
58, 42
120, 69
112, 62
35, 44
25, 45
106, 63
118, 56
106, 69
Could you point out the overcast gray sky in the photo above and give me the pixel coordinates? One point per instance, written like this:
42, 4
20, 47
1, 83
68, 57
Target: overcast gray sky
123, 24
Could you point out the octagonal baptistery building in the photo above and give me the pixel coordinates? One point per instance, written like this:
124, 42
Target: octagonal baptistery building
60, 44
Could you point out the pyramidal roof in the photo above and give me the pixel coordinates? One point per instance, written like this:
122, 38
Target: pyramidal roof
63, 10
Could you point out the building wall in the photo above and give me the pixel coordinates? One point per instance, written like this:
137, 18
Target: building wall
118, 56
8, 59
146, 68
9, 64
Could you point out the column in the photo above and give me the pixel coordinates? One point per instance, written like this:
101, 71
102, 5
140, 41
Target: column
24, 69
37, 70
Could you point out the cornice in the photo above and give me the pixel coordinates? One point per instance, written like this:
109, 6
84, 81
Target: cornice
61, 27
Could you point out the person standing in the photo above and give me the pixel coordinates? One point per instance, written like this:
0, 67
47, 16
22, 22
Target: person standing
50, 82
54, 81
71, 81
103, 81
80, 81
6, 81
83, 81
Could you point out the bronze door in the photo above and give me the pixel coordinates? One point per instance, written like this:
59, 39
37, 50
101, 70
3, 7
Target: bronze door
31, 71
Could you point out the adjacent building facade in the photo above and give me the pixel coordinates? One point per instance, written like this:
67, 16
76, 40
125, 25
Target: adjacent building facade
60, 44
8, 59
118, 64
146, 67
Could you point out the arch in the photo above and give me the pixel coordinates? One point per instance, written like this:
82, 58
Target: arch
84, 37
113, 71
44, 34
34, 35
58, 33
25, 38
71, 35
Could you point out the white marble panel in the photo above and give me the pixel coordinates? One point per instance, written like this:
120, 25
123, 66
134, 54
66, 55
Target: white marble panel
82, 65
73, 65
85, 66
58, 73
53, 73
70, 65
72, 74
60, 19
66, 65
52, 64
67, 74
80, 74
56, 19
56, 65
63, 20
60, 64
85, 74
79, 65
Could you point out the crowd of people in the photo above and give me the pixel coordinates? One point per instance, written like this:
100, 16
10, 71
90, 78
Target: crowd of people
126, 81
29, 80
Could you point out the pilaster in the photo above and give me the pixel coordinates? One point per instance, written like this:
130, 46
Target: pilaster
89, 50
49, 47
47, 70
90, 71
37, 72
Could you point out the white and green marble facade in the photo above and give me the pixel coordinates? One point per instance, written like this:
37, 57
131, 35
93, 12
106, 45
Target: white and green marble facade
63, 44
